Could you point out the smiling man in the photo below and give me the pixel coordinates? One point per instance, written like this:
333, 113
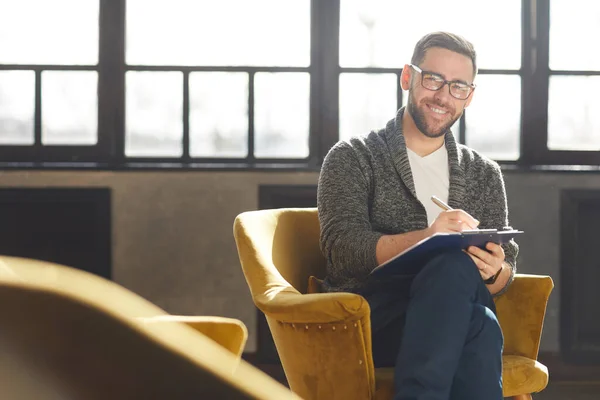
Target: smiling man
438, 327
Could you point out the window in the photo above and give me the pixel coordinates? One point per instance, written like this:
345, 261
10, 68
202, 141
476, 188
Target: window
48, 78
574, 81
217, 84
375, 43
560, 125
17, 107
124, 83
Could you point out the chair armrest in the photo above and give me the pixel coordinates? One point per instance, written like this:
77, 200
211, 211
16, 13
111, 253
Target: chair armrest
230, 333
521, 310
322, 338
287, 305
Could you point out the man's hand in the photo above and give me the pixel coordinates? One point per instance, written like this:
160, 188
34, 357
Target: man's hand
488, 263
453, 221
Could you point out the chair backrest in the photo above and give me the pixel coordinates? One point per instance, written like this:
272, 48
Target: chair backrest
286, 241
69, 334
323, 339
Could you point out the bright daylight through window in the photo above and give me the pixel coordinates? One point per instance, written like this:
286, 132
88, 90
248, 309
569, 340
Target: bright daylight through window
373, 35
271, 83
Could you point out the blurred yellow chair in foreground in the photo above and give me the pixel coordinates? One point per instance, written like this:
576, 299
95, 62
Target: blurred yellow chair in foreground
68, 334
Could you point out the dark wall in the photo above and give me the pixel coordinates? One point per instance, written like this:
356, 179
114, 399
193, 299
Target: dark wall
173, 243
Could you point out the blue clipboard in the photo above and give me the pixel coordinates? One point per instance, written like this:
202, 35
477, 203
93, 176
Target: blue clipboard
412, 259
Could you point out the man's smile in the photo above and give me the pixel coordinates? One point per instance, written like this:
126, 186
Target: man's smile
437, 110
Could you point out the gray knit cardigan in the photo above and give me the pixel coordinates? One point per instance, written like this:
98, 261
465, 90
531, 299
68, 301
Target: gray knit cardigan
366, 190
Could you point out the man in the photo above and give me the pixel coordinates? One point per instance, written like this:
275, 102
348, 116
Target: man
438, 327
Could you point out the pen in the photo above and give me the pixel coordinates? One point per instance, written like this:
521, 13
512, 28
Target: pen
440, 203
446, 207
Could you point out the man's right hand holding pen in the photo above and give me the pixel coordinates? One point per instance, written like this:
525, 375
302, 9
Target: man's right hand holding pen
451, 220
490, 263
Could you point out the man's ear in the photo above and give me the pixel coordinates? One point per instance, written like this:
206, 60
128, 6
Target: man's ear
405, 77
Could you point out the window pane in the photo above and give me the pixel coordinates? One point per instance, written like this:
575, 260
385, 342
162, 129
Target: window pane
281, 115
367, 102
154, 120
17, 105
573, 118
224, 32
573, 23
219, 114
383, 33
493, 120
69, 107
49, 32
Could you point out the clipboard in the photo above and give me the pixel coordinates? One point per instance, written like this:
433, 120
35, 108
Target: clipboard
412, 259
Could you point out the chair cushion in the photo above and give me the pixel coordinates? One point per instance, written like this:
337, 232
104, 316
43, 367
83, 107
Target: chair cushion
520, 375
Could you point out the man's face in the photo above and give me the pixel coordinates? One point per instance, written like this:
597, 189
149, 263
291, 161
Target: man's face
434, 112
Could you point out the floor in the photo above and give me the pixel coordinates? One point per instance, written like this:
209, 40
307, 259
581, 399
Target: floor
556, 390
570, 391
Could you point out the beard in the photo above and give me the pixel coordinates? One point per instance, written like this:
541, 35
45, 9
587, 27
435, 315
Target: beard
418, 115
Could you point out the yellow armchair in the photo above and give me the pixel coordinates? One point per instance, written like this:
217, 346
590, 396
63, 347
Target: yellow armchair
69, 334
324, 339
229, 333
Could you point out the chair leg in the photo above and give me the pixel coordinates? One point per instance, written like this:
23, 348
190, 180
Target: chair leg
522, 397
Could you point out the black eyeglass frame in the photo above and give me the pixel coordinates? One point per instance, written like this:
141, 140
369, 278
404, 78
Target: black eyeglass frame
444, 82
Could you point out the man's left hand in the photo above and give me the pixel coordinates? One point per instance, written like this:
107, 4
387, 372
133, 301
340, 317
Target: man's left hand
488, 262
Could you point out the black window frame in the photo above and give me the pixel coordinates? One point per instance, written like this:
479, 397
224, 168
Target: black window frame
534, 136
107, 79
324, 71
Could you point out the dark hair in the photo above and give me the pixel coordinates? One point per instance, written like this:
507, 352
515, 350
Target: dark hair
444, 40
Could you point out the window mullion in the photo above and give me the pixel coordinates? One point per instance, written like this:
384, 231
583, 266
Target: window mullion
251, 97
536, 32
462, 128
400, 92
325, 17
111, 81
186, 116
37, 119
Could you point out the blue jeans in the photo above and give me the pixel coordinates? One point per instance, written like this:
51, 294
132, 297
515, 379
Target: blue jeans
439, 330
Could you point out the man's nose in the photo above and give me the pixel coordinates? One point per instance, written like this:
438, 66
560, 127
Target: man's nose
443, 94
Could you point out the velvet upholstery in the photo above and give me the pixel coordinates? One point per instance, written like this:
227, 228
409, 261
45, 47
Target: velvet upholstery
230, 333
324, 339
68, 334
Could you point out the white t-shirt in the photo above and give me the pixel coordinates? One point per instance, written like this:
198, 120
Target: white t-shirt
431, 175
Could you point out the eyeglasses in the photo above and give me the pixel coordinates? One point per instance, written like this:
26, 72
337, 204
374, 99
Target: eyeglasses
432, 81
